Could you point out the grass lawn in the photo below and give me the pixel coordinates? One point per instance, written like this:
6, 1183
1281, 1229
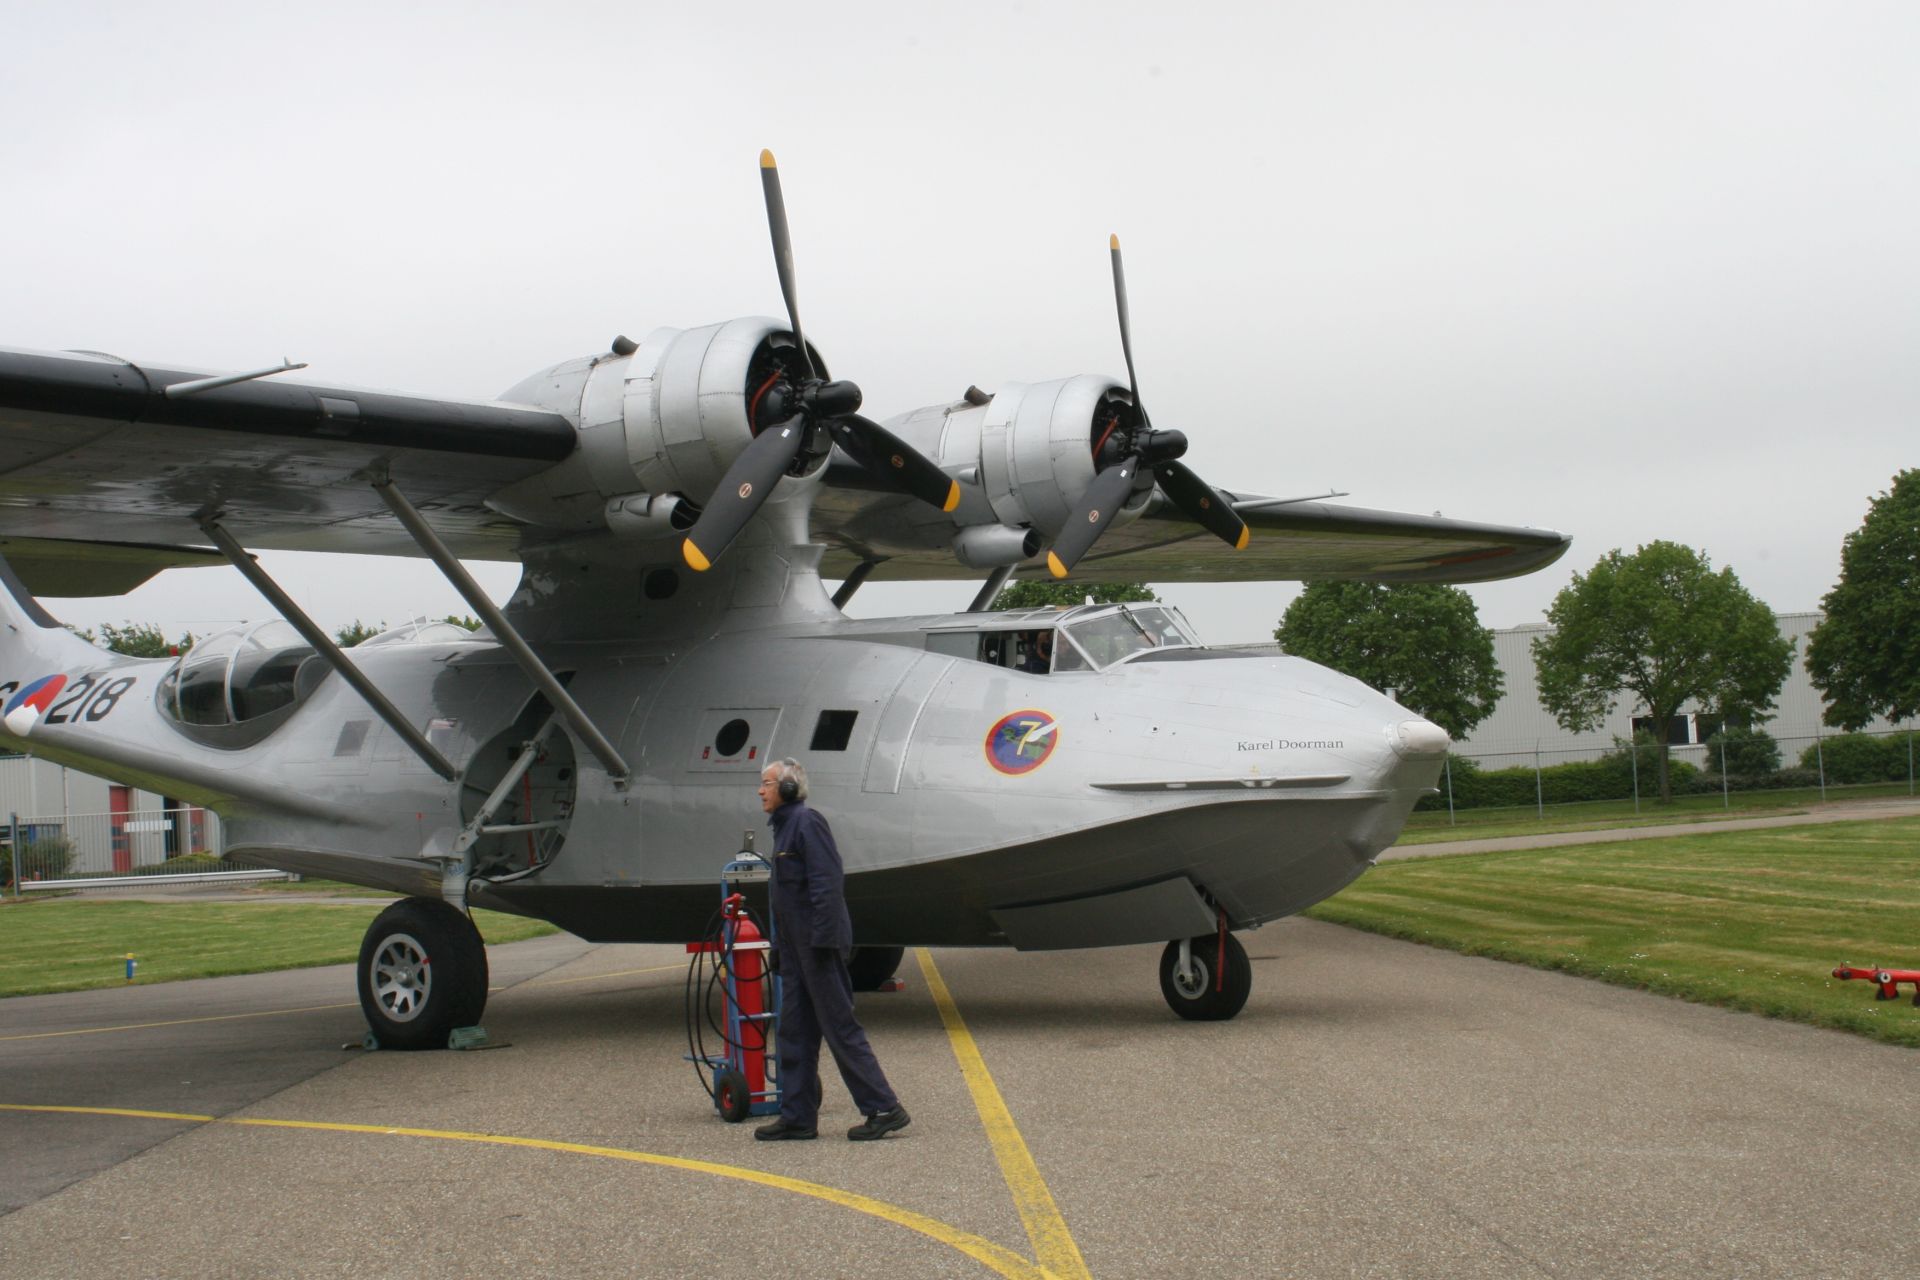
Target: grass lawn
1752, 920
74, 945
1429, 827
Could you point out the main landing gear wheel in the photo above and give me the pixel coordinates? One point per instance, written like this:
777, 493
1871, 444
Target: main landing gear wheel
1193, 995
423, 972
872, 966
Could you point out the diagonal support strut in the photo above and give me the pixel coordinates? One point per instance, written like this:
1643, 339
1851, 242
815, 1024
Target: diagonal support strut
503, 631
324, 645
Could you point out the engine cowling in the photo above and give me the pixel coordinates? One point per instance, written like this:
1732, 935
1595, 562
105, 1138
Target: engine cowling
1032, 449
665, 418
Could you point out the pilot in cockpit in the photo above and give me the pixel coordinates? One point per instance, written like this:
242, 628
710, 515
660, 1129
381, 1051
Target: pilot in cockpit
1039, 647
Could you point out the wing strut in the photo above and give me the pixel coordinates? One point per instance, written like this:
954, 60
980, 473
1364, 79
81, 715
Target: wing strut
990, 589
852, 583
327, 649
503, 631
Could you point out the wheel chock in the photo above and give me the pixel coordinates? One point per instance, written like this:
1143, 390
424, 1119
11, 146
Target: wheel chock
470, 1038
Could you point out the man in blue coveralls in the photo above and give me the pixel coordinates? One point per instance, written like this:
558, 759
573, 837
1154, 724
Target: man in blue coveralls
814, 937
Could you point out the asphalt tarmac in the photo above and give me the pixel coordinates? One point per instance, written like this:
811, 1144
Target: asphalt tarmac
1379, 1108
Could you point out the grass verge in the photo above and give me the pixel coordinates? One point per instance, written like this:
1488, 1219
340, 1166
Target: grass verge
77, 946
1749, 920
1434, 827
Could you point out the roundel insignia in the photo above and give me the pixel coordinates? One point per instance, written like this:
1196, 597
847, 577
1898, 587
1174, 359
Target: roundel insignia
39, 695
898, 462
1093, 517
1020, 742
1206, 504
746, 490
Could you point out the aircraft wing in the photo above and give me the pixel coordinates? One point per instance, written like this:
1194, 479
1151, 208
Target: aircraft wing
1301, 541
93, 451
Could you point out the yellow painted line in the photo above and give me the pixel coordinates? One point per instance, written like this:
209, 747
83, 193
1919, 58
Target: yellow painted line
996, 1257
177, 1022
1052, 1243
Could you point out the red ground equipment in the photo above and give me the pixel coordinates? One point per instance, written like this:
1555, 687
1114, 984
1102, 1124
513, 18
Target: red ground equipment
1888, 980
731, 992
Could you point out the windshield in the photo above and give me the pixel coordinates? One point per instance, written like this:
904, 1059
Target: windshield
1113, 635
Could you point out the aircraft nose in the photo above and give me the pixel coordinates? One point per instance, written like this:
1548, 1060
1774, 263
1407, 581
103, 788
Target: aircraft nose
1418, 739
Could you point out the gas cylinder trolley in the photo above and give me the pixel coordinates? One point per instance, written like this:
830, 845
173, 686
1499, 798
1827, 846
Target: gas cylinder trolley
733, 964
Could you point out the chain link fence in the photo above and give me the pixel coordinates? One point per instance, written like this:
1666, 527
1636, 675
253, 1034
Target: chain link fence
1729, 770
120, 849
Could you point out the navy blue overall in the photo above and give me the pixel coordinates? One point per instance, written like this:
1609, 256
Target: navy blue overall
814, 935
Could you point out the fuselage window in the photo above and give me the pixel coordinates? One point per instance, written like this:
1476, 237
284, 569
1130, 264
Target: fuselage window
833, 730
732, 737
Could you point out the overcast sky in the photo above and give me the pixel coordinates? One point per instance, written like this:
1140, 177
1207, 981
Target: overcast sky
1631, 271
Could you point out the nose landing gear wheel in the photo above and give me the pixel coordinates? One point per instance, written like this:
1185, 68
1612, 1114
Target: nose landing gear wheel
422, 972
872, 966
1193, 994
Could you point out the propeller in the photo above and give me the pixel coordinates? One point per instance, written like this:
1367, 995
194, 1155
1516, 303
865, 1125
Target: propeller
1128, 449
789, 411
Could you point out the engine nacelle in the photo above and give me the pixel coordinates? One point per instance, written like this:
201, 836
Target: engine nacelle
1031, 449
662, 419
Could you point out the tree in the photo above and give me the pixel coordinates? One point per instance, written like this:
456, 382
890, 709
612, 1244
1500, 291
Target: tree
1423, 642
1864, 657
138, 640
1662, 625
1036, 594
356, 631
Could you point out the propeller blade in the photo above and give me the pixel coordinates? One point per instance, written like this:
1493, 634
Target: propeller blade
1203, 503
783, 250
1126, 327
741, 491
1098, 506
895, 462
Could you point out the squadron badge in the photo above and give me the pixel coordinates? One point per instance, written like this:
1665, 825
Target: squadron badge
1021, 742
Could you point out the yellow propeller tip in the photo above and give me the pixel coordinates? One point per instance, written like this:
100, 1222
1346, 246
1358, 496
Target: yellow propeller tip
1113, 242
953, 496
766, 158
699, 562
1054, 566
1246, 536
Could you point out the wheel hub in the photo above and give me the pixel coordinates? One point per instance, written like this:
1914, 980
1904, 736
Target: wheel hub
401, 976
1191, 982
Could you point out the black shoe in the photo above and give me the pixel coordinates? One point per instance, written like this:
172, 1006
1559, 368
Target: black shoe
880, 1125
785, 1131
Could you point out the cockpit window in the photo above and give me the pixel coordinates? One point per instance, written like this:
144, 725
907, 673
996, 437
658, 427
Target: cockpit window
241, 676
1109, 636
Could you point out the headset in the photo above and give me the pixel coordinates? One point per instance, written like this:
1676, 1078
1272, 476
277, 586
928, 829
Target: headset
792, 781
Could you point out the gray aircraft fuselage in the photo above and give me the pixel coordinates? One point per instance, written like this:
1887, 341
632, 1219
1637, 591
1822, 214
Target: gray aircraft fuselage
974, 804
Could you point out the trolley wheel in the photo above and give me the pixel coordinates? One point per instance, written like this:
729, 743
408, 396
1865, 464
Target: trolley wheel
731, 1095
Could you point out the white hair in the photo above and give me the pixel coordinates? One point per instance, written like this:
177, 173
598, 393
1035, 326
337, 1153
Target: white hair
790, 768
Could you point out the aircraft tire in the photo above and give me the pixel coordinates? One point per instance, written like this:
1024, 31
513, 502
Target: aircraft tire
731, 1095
422, 972
1200, 1002
872, 966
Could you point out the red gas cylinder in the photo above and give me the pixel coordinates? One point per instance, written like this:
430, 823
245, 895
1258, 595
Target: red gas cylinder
746, 965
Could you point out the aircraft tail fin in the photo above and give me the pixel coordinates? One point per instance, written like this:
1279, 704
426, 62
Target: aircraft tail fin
34, 645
